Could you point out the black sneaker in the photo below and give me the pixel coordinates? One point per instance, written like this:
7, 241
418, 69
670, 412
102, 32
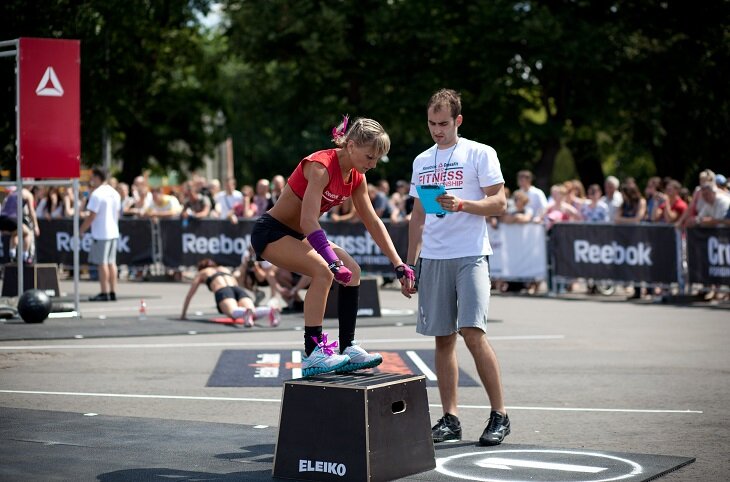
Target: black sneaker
112, 296
447, 429
497, 429
100, 297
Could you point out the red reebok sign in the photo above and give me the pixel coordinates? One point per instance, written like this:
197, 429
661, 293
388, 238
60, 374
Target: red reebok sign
49, 110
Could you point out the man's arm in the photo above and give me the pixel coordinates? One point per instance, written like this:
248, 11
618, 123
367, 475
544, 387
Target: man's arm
87, 223
493, 204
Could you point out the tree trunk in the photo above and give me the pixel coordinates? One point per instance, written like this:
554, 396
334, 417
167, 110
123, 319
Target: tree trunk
587, 161
546, 163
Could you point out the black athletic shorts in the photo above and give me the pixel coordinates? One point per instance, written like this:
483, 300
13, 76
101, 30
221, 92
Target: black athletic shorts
235, 292
268, 230
10, 224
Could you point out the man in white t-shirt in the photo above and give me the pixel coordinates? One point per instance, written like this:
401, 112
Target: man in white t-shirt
612, 196
226, 201
104, 207
538, 202
715, 206
453, 281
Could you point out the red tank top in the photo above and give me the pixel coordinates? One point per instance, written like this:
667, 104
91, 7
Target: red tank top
337, 191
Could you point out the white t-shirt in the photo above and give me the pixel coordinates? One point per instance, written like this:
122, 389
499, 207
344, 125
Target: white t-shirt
463, 169
715, 210
538, 201
613, 204
228, 201
106, 203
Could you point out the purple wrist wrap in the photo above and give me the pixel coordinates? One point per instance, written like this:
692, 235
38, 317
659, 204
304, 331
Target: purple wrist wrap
319, 242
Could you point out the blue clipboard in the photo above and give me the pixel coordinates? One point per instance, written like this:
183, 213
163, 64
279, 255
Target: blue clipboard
428, 193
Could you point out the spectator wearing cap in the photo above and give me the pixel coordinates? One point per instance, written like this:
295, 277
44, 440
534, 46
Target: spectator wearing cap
721, 182
715, 206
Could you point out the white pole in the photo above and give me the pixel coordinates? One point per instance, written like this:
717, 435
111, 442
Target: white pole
18, 178
76, 247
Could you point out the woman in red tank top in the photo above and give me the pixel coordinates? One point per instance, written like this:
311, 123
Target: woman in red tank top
322, 180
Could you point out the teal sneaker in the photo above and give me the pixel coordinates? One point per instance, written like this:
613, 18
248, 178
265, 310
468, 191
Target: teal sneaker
360, 359
323, 359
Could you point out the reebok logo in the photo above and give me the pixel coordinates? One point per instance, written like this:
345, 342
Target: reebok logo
219, 245
319, 466
614, 253
65, 242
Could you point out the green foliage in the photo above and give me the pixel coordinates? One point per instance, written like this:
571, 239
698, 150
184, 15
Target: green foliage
537, 79
561, 87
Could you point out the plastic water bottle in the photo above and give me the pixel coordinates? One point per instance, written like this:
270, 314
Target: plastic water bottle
142, 310
186, 219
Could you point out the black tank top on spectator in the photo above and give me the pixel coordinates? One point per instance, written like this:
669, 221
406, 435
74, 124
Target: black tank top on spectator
629, 210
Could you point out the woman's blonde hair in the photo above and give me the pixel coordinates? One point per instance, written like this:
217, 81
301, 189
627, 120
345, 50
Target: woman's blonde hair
363, 132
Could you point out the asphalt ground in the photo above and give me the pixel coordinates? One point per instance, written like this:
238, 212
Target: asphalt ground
596, 373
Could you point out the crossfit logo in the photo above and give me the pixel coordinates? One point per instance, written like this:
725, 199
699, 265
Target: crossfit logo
319, 466
614, 253
65, 243
718, 254
218, 245
363, 244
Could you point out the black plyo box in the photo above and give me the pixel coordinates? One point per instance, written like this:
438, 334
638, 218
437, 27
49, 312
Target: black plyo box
360, 427
42, 276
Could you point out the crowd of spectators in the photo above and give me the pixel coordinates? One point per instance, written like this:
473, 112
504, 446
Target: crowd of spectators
662, 200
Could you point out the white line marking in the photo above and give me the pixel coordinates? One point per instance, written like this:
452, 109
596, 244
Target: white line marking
134, 395
250, 343
421, 365
507, 464
296, 357
579, 409
239, 399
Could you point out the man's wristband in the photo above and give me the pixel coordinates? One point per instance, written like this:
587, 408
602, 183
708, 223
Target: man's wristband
460, 207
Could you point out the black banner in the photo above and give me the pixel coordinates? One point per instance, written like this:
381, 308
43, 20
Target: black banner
636, 253
708, 255
222, 241
54, 245
225, 242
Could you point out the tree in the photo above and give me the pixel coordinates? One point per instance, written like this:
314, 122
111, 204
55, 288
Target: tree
537, 78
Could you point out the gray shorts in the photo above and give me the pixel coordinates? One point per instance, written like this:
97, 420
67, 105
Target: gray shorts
453, 294
103, 251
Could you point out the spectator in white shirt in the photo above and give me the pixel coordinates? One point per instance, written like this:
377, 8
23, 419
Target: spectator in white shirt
538, 202
226, 201
613, 197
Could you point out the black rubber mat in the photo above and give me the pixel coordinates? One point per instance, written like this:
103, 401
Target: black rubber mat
269, 368
37, 445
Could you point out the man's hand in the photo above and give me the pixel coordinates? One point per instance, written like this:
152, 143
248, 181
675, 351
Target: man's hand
451, 203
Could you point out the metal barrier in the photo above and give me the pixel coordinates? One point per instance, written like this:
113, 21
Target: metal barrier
651, 254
